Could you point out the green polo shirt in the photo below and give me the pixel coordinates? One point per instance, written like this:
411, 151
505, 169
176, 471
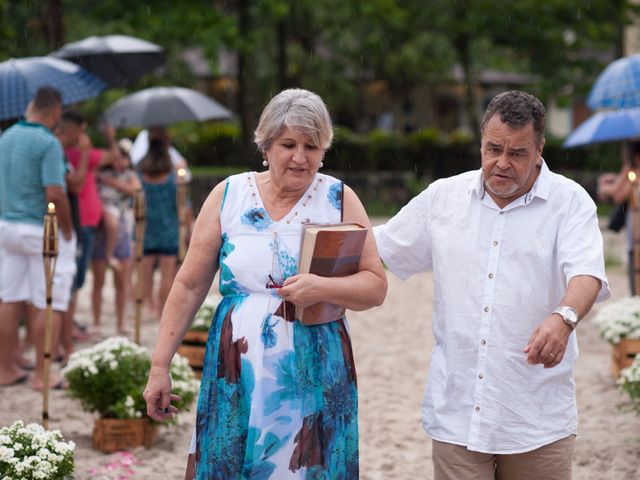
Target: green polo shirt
31, 158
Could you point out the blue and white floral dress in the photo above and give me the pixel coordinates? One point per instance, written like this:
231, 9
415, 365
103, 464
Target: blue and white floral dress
278, 399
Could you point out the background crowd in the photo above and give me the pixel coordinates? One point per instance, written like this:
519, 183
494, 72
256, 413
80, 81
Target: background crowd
49, 157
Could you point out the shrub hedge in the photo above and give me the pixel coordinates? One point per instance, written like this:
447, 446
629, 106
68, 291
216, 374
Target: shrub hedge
427, 152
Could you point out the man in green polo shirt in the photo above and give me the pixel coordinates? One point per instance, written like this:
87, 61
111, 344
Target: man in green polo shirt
32, 174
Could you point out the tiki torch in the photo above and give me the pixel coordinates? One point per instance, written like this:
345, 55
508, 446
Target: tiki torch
181, 201
635, 226
141, 215
50, 257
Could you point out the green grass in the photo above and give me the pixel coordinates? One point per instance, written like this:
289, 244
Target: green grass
217, 171
611, 261
605, 209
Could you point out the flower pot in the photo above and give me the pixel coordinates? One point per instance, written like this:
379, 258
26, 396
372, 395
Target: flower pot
623, 354
193, 348
114, 434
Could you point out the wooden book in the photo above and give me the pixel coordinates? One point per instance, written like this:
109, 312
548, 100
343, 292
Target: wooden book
329, 250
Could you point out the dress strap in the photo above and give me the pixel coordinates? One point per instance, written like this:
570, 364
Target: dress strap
341, 202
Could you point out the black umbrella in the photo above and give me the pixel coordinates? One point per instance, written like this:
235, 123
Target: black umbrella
116, 59
163, 106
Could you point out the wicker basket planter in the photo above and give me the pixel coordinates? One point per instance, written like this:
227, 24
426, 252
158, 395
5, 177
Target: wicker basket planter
114, 434
193, 347
623, 354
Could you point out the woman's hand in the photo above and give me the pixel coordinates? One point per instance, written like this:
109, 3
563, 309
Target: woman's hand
158, 395
304, 289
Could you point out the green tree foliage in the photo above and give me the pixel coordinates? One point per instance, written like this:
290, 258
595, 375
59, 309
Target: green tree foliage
339, 48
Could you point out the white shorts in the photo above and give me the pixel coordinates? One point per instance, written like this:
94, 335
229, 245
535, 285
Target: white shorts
22, 277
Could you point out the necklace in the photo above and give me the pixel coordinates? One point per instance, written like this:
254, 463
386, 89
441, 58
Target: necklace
295, 211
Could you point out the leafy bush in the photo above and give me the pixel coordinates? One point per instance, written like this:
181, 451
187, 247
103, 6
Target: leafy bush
204, 315
630, 383
208, 144
109, 378
31, 452
618, 320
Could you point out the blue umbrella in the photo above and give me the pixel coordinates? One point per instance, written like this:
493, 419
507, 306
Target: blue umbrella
606, 126
618, 86
21, 78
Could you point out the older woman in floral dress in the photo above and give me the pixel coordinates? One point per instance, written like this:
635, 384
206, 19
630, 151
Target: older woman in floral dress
278, 398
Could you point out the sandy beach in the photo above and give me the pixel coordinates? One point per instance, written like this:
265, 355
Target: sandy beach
392, 345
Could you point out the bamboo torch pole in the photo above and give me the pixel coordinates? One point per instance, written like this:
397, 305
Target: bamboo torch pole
50, 257
141, 214
634, 204
181, 202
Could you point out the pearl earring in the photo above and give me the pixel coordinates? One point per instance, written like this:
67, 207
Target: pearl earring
321, 164
265, 163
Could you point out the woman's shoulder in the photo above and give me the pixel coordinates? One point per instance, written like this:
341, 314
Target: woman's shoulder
327, 179
162, 179
239, 177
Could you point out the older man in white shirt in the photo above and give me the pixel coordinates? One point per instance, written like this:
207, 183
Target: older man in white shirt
517, 259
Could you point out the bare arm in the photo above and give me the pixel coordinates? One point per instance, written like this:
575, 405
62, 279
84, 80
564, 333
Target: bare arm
58, 196
553, 333
111, 152
75, 180
360, 291
621, 187
189, 289
129, 186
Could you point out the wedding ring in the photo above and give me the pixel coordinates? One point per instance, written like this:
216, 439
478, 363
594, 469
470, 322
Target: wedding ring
553, 355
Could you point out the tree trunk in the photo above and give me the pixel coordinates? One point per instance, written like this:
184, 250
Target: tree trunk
462, 45
243, 101
281, 32
53, 24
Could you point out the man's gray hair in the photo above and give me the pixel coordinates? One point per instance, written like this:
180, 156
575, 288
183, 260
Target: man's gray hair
517, 109
299, 110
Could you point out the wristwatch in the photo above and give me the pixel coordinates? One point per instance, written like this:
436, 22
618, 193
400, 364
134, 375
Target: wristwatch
569, 315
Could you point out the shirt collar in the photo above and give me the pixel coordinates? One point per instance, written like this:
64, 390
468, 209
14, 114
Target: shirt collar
540, 188
24, 123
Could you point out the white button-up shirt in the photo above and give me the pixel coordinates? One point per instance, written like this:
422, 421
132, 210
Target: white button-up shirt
498, 273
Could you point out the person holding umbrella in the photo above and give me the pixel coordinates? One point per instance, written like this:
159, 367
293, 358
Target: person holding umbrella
140, 148
72, 134
32, 173
619, 189
159, 182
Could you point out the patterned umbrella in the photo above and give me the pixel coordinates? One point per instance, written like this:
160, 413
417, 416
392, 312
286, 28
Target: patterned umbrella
607, 126
618, 86
21, 78
116, 59
159, 106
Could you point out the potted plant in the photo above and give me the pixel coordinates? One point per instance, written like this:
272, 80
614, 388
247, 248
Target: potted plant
619, 324
630, 383
109, 378
30, 452
194, 343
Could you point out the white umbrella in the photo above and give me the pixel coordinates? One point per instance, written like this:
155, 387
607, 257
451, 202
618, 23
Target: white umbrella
159, 106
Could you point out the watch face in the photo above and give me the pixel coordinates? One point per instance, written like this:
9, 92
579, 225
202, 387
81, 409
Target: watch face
571, 315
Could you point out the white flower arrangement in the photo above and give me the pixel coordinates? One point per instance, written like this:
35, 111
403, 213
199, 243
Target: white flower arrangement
630, 383
109, 378
619, 320
204, 315
30, 453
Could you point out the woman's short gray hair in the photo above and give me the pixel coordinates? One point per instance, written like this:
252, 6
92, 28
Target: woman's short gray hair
297, 109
